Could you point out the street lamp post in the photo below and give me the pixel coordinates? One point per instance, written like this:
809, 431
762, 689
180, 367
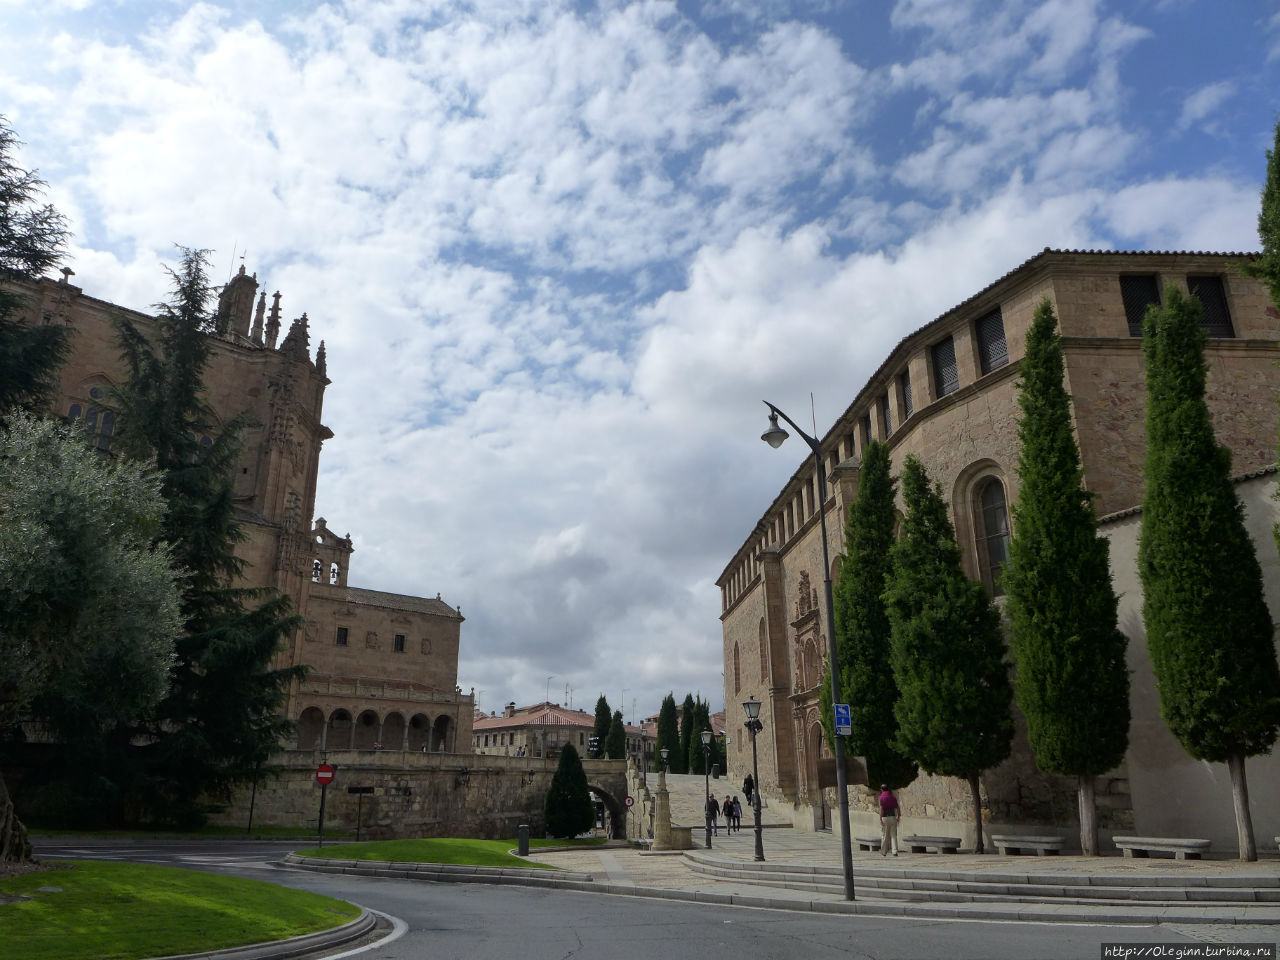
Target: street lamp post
774, 437
706, 781
752, 708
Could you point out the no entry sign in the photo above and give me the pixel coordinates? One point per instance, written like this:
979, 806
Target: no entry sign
324, 774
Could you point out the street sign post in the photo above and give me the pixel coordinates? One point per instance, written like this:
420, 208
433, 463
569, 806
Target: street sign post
844, 721
360, 793
324, 776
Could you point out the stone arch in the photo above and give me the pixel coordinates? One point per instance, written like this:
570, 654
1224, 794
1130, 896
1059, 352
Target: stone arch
442, 733
836, 564
616, 811
368, 731
816, 749
982, 531
310, 729
393, 731
419, 733
340, 730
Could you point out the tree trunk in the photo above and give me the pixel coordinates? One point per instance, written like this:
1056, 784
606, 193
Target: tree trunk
15, 846
976, 792
1240, 798
1088, 815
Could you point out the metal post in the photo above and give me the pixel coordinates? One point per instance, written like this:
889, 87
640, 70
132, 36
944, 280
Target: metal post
706, 791
755, 793
842, 776
522, 839
324, 789
359, 813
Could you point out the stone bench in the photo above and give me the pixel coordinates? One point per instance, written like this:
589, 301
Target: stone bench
922, 844
1010, 845
1182, 848
867, 843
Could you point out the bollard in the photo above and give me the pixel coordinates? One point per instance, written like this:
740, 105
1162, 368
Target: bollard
522, 833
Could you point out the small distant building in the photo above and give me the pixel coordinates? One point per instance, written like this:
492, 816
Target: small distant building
541, 730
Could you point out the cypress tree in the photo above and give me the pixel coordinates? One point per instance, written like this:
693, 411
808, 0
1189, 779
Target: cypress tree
220, 720
688, 724
1071, 679
568, 809
616, 742
668, 730
1267, 267
1208, 628
600, 729
862, 628
697, 761
947, 653
32, 239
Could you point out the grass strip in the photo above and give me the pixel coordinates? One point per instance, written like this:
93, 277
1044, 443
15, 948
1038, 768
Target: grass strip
127, 911
451, 850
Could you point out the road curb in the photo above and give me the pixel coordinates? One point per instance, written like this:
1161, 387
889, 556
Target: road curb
293, 947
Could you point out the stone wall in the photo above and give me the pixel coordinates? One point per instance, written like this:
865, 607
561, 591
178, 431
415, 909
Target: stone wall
416, 795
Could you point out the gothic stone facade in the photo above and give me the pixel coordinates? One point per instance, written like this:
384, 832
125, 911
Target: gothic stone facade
947, 393
384, 666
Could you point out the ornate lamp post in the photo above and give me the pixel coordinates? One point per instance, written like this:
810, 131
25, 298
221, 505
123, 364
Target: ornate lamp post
752, 708
774, 437
706, 781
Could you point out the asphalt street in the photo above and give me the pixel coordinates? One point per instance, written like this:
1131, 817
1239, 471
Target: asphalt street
443, 921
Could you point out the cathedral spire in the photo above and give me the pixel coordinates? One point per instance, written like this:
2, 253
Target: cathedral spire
256, 334
320, 361
273, 321
297, 340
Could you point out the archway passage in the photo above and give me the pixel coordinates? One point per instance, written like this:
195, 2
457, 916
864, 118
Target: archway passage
419, 733
367, 731
311, 729
616, 818
440, 735
340, 731
393, 732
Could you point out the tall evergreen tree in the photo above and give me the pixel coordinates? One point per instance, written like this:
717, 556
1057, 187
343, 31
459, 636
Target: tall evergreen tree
954, 696
668, 730
1267, 267
568, 808
1071, 681
1208, 628
615, 744
600, 729
32, 238
221, 718
688, 724
697, 761
862, 628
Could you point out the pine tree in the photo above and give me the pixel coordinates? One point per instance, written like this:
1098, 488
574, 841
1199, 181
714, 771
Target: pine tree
32, 239
1071, 681
668, 730
1267, 267
221, 718
1208, 628
600, 729
862, 628
953, 708
616, 742
688, 724
568, 808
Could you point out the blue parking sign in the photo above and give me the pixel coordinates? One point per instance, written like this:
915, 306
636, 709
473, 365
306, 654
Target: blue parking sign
844, 723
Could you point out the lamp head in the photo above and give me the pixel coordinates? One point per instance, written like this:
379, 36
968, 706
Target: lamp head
752, 707
706, 738
775, 434
664, 751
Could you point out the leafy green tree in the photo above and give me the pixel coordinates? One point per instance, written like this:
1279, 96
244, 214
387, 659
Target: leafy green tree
32, 238
616, 742
862, 628
568, 808
89, 600
222, 718
688, 724
668, 730
600, 730
954, 696
1267, 267
1071, 681
1208, 628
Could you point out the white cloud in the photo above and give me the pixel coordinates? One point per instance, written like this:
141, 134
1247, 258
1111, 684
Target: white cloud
1202, 104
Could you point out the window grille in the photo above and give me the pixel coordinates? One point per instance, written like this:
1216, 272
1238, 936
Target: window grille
399, 643
945, 374
1138, 291
993, 353
342, 637
1217, 319
904, 388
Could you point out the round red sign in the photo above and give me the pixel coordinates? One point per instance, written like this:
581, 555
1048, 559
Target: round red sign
324, 773
630, 800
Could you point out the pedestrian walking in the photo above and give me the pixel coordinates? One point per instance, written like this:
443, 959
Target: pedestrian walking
727, 809
737, 813
713, 815
889, 811
748, 787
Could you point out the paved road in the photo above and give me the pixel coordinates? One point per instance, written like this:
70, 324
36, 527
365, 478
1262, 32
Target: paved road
481, 922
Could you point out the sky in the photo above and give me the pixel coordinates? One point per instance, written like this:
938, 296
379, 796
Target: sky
559, 252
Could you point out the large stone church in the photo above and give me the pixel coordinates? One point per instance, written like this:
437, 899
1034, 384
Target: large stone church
384, 666
947, 393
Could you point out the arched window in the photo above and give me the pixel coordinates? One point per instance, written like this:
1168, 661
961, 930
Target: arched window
992, 530
737, 670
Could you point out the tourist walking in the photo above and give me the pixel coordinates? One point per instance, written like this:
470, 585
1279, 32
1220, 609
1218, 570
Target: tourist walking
737, 813
727, 809
713, 815
889, 811
748, 787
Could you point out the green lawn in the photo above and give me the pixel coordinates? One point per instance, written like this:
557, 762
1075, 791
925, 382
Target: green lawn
123, 911
480, 853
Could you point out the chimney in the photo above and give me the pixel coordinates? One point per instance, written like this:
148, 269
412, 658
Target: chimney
511, 709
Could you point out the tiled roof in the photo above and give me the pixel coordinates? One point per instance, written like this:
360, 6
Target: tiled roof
1134, 511
543, 715
389, 601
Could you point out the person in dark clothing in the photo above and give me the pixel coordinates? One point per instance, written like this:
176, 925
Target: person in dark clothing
713, 814
748, 787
